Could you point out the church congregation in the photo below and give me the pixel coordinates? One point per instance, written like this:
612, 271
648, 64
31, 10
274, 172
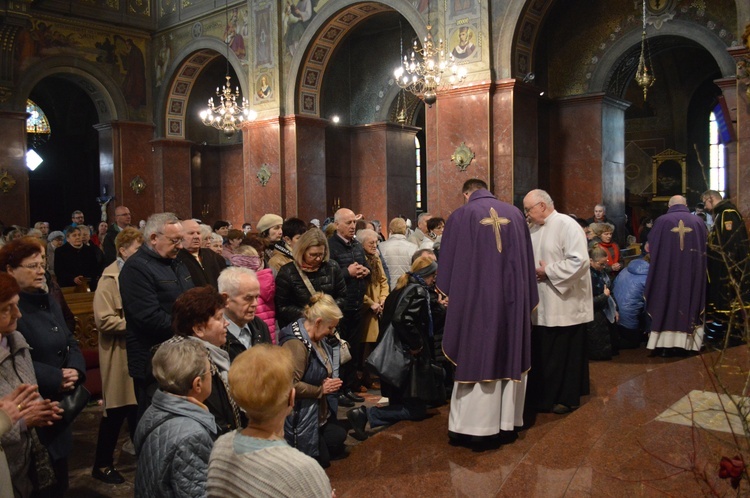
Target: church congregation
496, 354
345, 248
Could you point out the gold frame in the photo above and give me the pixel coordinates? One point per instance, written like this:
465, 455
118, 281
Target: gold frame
660, 159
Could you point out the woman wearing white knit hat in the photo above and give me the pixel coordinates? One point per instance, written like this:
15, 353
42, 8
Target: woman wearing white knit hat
269, 228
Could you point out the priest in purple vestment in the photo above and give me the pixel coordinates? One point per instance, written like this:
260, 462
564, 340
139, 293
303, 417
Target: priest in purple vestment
487, 271
676, 283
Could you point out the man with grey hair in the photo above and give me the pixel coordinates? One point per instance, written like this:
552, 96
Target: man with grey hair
560, 368
150, 282
122, 220
240, 288
397, 251
418, 235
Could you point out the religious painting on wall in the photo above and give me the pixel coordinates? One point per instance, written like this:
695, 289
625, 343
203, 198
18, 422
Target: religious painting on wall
669, 170
162, 58
263, 37
120, 55
295, 18
462, 43
463, 7
263, 88
420, 5
233, 34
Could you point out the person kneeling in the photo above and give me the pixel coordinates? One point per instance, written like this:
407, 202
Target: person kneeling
257, 461
174, 438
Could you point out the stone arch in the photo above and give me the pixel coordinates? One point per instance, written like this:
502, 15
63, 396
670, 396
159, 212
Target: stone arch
320, 40
616, 57
185, 68
104, 92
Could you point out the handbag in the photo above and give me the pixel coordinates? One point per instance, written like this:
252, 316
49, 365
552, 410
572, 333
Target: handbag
73, 403
388, 359
345, 352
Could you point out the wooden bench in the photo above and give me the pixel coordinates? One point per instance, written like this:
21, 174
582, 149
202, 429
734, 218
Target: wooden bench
82, 306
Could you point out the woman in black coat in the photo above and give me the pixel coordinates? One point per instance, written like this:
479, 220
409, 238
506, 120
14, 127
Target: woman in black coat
58, 363
407, 311
311, 258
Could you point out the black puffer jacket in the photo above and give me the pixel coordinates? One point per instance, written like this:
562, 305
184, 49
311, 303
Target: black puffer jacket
292, 294
346, 253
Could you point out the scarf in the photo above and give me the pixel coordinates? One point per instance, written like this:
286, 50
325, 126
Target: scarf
283, 249
372, 260
613, 252
252, 262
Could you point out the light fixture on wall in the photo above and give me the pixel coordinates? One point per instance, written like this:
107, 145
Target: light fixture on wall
644, 75
428, 70
232, 111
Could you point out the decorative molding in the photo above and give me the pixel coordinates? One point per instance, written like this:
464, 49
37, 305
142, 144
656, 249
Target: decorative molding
462, 157
264, 175
137, 184
7, 182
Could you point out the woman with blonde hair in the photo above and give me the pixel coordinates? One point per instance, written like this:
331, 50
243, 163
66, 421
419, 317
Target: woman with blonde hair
407, 311
257, 461
312, 427
311, 266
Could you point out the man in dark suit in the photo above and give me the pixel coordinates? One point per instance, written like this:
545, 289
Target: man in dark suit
204, 265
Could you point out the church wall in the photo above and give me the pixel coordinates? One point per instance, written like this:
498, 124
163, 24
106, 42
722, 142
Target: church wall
400, 181
576, 154
232, 185
461, 115
369, 189
262, 145
15, 202
339, 162
172, 190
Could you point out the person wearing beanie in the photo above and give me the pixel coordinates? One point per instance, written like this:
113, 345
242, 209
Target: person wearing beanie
269, 228
54, 240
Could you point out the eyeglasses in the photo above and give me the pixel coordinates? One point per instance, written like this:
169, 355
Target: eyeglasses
33, 266
212, 370
527, 210
174, 242
315, 255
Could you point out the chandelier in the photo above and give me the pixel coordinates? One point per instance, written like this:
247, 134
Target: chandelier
643, 75
428, 70
232, 110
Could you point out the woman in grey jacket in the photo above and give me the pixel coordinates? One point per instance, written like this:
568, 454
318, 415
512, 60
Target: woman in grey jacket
176, 434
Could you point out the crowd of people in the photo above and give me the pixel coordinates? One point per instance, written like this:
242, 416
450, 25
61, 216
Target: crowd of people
220, 345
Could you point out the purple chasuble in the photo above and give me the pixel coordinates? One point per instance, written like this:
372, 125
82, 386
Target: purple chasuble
487, 270
676, 283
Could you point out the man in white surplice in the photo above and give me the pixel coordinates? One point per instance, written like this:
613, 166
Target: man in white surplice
559, 361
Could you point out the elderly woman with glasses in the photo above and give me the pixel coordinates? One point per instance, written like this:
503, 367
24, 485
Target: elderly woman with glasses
198, 315
176, 434
58, 363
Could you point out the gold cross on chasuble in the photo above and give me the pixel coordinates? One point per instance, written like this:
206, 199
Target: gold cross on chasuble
496, 222
682, 230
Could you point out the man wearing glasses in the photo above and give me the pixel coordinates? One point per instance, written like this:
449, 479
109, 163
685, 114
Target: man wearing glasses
559, 373
150, 282
122, 220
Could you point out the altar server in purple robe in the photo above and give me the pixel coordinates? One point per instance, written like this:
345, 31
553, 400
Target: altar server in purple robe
487, 272
676, 283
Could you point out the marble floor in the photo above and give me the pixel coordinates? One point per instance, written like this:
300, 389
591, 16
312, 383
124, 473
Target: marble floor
615, 444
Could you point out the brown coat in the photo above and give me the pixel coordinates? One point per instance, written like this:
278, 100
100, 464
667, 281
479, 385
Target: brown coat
117, 386
376, 292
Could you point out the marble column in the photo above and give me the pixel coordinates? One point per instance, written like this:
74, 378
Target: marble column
738, 101
262, 146
460, 116
587, 155
172, 187
125, 152
383, 181
304, 191
14, 203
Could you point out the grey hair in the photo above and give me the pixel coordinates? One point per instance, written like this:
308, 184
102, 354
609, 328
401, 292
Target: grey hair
422, 216
337, 215
366, 234
229, 279
543, 196
215, 237
677, 199
603, 206
157, 222
205, 230
177, 363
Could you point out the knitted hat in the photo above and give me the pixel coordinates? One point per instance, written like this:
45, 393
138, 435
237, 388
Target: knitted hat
57, 234
267, 221
315, 222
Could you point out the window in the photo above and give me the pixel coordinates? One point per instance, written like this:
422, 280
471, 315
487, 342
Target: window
717, 165
418, 149
37, 121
